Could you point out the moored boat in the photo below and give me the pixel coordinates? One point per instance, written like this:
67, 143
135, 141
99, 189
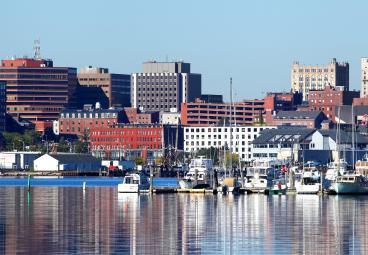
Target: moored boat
350, 184
134, 183
200, 174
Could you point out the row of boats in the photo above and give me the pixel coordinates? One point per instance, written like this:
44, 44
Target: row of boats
266, 175
263, 176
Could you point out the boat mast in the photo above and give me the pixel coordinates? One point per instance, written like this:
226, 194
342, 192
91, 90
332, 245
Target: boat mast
224, 151
338, 141
231, 129
353, 136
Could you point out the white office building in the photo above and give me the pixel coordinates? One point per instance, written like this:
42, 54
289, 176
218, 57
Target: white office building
196, 138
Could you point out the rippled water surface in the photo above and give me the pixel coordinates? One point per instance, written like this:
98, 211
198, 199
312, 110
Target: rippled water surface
68, 220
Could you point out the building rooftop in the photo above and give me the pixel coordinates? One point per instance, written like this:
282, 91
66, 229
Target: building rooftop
289, 135
345, 112
73, 157
297, 114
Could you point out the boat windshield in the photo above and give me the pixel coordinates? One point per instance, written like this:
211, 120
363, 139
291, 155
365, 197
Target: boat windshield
260, 171
205, 163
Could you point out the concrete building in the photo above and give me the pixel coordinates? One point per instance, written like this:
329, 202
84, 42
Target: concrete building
79, 122
2, 106
170, 118
329, 99
18, 160
305, 78
200, 113
204, 137
36, 90
164, 85
116, 87
82, 163
364, 77
307, 119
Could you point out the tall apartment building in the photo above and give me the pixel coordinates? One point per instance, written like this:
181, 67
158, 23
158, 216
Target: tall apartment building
116, 87
305, 78
164, 85
364, 77
36, 90
2, 105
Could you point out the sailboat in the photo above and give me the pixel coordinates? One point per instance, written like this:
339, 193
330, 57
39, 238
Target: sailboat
350, 183
231, 183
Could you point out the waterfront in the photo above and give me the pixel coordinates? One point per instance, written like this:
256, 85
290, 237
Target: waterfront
101, 221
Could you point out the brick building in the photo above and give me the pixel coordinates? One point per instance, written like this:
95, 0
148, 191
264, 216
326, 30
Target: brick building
79, 122
136, 116
2, 106
280, 101
360, 101
36, 90
329, 99
99, 83
200, 113
129, 141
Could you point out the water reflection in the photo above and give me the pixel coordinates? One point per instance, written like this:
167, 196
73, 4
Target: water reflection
100, 221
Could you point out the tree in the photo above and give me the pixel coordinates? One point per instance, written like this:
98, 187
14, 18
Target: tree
139, 161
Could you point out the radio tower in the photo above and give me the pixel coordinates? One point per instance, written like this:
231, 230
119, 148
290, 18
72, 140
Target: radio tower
37, 49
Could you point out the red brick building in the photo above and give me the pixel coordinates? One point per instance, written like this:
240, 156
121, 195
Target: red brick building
124, 140
79, 122
135, 116
280, 101
200, 113
360, 101
328, 99
36, 90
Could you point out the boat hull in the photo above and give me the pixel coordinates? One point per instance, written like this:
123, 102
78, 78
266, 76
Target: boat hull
349, 188
307, 189
132, 188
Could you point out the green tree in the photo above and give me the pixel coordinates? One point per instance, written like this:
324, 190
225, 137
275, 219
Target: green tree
139, 161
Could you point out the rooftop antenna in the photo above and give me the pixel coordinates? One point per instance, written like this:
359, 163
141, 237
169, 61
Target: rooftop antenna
37, 49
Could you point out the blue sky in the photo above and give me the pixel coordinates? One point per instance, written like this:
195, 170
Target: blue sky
254, 42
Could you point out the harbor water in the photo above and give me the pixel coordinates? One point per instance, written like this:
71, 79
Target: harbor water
65, 219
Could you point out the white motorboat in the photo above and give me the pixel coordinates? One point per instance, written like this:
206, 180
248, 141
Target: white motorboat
310, 181
350, 184
200, 174
307, 186
260, 176
134, 183
335, 169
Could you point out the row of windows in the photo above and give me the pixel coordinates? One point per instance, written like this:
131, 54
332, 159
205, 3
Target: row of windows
313, 70
219, 137
88, 115
157, 89
255, 129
